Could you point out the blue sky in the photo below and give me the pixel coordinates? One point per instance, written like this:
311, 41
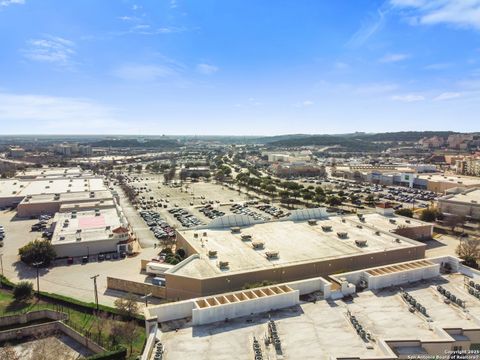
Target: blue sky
240, 67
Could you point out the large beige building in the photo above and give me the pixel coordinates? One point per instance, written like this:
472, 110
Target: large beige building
465, 204
227, 259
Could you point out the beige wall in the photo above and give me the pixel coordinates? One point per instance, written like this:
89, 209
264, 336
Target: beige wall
135, 287
179, 287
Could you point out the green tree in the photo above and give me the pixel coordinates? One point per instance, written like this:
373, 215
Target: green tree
37, 251
127, 306
405, 212
23, 290
334, 201
469, 250
428, 215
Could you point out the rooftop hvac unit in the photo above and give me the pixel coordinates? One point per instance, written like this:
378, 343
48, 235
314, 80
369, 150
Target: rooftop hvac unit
271, 255
212, 253
204, 233
360, 226
312, 222
342, 235
343, 220
79, 231
246, 237
223, 264
235, 229
361, 243
78, 238
258, 244
326, 228
474, 201
377, 233
62, 238
408, 221
74, 216
108, 227
392, 221
195, 235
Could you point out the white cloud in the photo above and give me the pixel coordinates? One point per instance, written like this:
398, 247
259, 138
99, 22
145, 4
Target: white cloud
143, 73
5, 3
51, 114
369, 27
461, 13
52, 49
447, 96
305, 103
207, 69
408, 98
390, 58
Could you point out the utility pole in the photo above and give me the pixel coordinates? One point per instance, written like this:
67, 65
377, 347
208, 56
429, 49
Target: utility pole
95, 287
1, 264
37, 264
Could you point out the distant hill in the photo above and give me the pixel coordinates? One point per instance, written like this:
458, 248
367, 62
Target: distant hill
135, 143
354, 141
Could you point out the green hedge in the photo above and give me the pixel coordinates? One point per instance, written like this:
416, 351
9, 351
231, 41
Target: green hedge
68, 301
119, 354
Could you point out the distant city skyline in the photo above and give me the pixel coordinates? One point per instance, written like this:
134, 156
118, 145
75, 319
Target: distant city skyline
238, 67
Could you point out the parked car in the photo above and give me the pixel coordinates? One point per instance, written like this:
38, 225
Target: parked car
84, 259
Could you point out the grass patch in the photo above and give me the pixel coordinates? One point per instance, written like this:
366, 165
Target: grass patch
98, 328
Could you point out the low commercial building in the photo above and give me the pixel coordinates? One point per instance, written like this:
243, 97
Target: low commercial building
406, 310
201, 171
53, 173
80, 233
16, 152
13, 191
465, 204
227, 259
298, 169
35, 205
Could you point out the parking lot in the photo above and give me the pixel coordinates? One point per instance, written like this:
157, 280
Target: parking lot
187, 205
73, 280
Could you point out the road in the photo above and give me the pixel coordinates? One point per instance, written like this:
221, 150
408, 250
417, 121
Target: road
145, 237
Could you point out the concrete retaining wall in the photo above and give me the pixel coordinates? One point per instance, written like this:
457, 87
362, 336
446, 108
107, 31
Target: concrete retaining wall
31, 316
135, 287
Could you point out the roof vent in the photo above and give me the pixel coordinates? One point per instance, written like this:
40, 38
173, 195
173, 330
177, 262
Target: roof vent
235, 229
361, 243
271, 255
258, 245
212, 253
342, 235
312, 222
326, 228
223, 264
246, 237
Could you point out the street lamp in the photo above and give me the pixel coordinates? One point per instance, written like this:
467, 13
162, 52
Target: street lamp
37, 264
1, 264
146, 298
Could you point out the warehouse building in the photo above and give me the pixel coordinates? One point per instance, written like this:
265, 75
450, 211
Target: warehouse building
465, 204
89, 232
13, 191
228, 259
35, 205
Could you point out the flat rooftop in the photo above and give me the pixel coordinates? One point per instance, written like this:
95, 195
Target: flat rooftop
454, 179
52, 172
296, 242
471, 197
80, 196
387, 223
23, 187
323, 328
86, 225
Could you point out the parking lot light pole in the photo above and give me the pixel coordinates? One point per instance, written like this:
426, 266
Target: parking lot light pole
146, 298
1, 264
37, 264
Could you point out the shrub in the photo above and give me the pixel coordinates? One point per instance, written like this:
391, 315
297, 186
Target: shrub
405, 212
428, 215
23, 290
37, 251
